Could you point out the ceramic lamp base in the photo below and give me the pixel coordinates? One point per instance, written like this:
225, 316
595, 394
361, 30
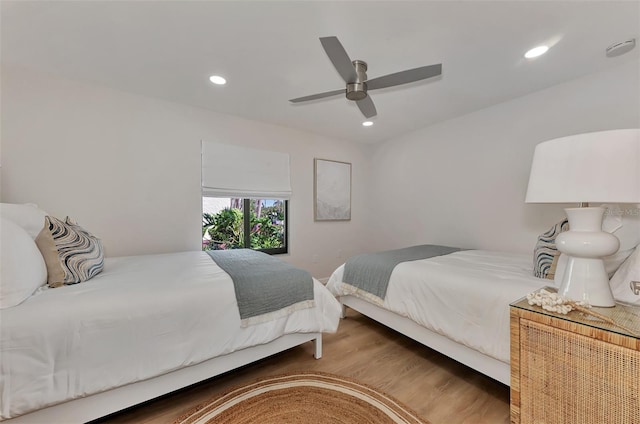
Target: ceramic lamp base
585, 278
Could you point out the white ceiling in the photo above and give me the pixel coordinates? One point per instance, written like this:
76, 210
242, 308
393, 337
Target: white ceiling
270, 52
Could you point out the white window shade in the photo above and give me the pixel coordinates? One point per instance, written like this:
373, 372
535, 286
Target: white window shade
234, 171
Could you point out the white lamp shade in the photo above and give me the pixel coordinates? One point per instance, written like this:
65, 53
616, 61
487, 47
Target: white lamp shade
598, 167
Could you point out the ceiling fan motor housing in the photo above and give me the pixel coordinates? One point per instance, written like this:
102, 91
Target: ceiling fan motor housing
358, 90
354, 74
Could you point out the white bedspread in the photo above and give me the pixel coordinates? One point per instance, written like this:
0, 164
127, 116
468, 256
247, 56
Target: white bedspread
464, 296
142, 317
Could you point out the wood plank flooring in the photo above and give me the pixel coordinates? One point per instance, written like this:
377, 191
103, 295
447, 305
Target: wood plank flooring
441, 390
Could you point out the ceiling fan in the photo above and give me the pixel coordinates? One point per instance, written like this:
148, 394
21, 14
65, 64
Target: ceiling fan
354, 73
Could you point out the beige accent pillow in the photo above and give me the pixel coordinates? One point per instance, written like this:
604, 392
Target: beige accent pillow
71, 253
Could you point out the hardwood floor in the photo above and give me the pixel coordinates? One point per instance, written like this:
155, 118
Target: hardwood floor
441, 390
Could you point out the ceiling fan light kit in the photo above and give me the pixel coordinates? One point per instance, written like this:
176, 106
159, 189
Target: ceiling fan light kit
354, 74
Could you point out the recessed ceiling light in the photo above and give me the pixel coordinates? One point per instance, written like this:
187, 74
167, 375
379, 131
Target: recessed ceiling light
217, 80
536, 51
367, 123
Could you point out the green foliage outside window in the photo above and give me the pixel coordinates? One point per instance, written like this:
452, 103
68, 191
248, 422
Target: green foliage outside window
226, 228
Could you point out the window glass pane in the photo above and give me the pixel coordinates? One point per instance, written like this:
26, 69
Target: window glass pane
267, 224
222, 223
227, 225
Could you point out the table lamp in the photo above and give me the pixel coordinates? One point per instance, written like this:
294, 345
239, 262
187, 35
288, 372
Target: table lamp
598, 167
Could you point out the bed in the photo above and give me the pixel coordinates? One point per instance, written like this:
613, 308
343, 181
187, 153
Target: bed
143, 327
456, 303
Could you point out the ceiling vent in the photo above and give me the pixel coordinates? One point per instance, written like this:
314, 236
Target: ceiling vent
618, 49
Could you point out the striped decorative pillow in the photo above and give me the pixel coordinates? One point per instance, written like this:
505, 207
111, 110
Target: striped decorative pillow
545, 254
71, 253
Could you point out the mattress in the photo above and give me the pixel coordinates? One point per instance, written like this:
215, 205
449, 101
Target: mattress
143, 316
464, 296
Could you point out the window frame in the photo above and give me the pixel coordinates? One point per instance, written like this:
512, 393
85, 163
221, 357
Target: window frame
246, 225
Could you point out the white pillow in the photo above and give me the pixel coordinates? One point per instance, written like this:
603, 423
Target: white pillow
621, 281
624, 223
27, 216
22, 267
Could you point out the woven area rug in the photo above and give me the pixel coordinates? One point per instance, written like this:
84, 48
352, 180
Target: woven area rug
300, 398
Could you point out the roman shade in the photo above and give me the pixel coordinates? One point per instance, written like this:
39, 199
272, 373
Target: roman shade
235, 171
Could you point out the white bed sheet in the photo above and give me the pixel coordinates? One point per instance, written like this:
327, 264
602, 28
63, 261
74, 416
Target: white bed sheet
464, 296
143, 316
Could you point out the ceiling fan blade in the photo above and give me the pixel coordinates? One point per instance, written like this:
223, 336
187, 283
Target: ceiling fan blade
404, 77
318, 96
367, 107
339, 57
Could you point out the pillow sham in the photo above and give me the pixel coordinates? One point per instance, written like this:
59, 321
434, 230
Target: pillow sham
22, 268
28, 216
545, 254
624, 223
621, 281
71, 253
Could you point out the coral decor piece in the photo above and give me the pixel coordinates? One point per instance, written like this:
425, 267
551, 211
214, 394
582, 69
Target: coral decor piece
553, 302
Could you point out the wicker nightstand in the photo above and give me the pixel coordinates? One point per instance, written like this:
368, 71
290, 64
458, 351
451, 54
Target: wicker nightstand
572, 369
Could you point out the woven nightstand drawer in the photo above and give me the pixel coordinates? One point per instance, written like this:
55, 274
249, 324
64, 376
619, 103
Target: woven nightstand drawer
565, 371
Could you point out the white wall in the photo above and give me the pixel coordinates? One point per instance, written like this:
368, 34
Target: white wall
462, 182
127, 167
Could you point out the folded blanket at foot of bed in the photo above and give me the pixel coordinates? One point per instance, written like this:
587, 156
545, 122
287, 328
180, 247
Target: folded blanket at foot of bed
368, 275
266, 288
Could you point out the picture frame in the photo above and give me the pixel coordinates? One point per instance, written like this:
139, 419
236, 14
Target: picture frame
331, 190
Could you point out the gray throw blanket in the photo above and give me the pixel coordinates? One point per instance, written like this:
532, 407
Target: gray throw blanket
370, 272
266, 288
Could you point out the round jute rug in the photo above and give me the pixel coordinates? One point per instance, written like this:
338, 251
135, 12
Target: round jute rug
300, 398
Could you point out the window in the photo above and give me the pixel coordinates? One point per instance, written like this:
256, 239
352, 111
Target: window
234, 223
245, 194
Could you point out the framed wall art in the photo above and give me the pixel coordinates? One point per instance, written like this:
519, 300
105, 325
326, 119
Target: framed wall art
332, 190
